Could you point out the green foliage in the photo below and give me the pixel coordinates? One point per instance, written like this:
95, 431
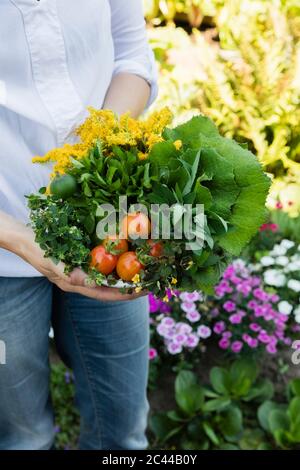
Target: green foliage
211, 417
282, 421
246, 79
66, 415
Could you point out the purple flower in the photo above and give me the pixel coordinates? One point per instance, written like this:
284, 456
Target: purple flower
67, 377
224, 343
193, 316
152, 353
219, 327
235, 319
229, 306
154, 303
236, 346
204, 331
57, 429
192, 341
162, 330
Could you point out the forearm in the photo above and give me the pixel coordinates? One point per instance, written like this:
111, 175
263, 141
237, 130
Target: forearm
12, 234
127, 93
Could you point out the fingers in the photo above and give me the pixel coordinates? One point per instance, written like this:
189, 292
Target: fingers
106, 294
79, 278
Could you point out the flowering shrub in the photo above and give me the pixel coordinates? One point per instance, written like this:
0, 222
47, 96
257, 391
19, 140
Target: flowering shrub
280, 270
248, 317
179, 325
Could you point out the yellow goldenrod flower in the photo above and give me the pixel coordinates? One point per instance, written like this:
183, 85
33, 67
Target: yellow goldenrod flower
136, 278
174, 280
142, 156
138, 289
178, 144
111, 130
166, 298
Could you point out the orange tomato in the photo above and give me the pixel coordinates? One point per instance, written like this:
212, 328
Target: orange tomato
156, 248
115, 245
136, 225
128, 266
103, 261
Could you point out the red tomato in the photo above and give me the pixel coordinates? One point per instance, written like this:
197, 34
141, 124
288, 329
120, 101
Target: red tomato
104, 262
115, 245
156, 248
128, 266
136, 225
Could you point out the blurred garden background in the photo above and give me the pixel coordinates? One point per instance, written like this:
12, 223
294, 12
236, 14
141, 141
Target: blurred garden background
224, 368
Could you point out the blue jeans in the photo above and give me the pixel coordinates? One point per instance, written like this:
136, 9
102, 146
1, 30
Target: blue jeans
106, 345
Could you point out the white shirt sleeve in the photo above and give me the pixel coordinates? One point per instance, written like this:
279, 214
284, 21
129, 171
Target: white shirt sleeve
132, 51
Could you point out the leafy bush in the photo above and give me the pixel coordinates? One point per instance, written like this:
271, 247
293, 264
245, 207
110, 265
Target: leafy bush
248, 82
210, 417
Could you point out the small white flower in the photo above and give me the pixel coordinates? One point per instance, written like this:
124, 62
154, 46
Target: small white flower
282, 260
51, 333
297, 310
267, 260
278, 251
293, 266
285, 307
297, 318
273, 277
287, 244
294, 285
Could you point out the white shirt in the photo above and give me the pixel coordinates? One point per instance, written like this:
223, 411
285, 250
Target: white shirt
56, 58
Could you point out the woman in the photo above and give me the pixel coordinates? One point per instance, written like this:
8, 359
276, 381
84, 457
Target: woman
57, 58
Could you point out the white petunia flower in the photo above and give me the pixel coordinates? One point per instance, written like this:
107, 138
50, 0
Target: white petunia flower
297, 310
282, 260
267, 260
294, 285
285, 307
273, 277
278, 251
287, 244
293, 266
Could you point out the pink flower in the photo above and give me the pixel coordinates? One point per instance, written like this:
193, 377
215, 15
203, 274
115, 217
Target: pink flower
174, 348
263, 337
168, 321
252, 342
252, 304
235, 319
224, 343
236, 346
255, 327
152, 353
192, 341
271, 348
219, 327
226, 334
229, 306
188, 306
184, 328
193, 316
204, 331
191, 296
180, 338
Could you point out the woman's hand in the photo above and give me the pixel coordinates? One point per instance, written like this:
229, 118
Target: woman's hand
20, 239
